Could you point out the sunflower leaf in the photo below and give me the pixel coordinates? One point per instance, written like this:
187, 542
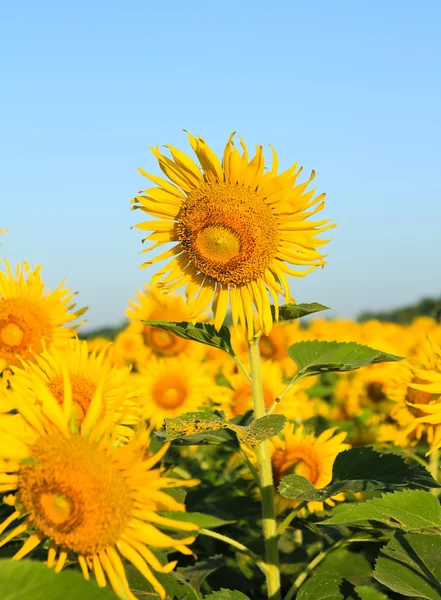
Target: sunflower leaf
290, 312
196, 574
226, 595
199, 519
327, 586
410, 564
358, 470
315, 357
203, 333
410, 510
31, 579
205, 423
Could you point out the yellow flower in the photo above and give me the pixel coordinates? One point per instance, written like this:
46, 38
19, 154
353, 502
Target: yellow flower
89, 498
29, 314
171, 387
74, 376
235, 228
152, 341
306, 455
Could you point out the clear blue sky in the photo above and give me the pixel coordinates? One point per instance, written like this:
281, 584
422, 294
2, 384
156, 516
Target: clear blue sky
349, 88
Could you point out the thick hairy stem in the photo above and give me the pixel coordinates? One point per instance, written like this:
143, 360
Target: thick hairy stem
266, 480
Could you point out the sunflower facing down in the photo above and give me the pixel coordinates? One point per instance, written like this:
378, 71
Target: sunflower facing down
29, 314
304, 454
236, 228
89, 498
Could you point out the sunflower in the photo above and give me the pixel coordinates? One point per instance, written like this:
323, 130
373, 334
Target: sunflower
29, 314
74, 375
171, 387
153, 341
299, 452
88, 497
235, 229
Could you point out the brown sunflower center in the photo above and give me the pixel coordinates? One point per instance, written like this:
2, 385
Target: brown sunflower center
418, 397
164, 343
268, 349
83, 391
297, 461
169, 393
228, 232
23, 326
74, 494
375, 393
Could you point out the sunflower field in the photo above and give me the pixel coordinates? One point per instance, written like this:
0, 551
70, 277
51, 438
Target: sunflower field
222, 446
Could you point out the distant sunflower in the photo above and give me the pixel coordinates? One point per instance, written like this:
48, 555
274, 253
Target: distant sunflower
306, 455
29, 314
73, 376
171, 387
153, 341
88, 498
235, 228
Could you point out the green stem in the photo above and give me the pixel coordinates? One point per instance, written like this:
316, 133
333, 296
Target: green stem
275, 404
287, 521
266, 479
238, 545
242, 367
434, 469
251, 467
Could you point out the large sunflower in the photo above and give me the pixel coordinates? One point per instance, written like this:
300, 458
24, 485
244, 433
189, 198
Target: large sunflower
235, 229
91, 499
29, 314
300, 452
75, 374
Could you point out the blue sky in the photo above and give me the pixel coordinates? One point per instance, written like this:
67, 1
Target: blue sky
350, 89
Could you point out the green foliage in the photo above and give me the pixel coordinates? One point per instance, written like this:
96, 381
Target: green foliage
189, 424
198, 573
357, 470
199, 519
198, 332
226, 595
315, 357
410, 510
427, 307
290, 312
327, 586
30, 580
410, 564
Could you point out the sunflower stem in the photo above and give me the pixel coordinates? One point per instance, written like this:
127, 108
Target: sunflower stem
242, 367
434, 469
238, 545
276, 402
266, 480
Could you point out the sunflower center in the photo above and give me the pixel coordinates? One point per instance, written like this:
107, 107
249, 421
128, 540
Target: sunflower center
375, 393
83, 391
12, 334
23, 326
163, 343
297, 461
267, 347
229, 232
169, 393
74, 494
218, 243
243, 399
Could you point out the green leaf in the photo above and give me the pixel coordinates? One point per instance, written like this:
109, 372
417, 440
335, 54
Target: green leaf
327, 586
198, 332
411, 510
370, 593
410, 564
204, 521
197, 573
190, 424
33, 580
345, 563
290, 312
314, 357
262, 429
357, 470
226, 595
